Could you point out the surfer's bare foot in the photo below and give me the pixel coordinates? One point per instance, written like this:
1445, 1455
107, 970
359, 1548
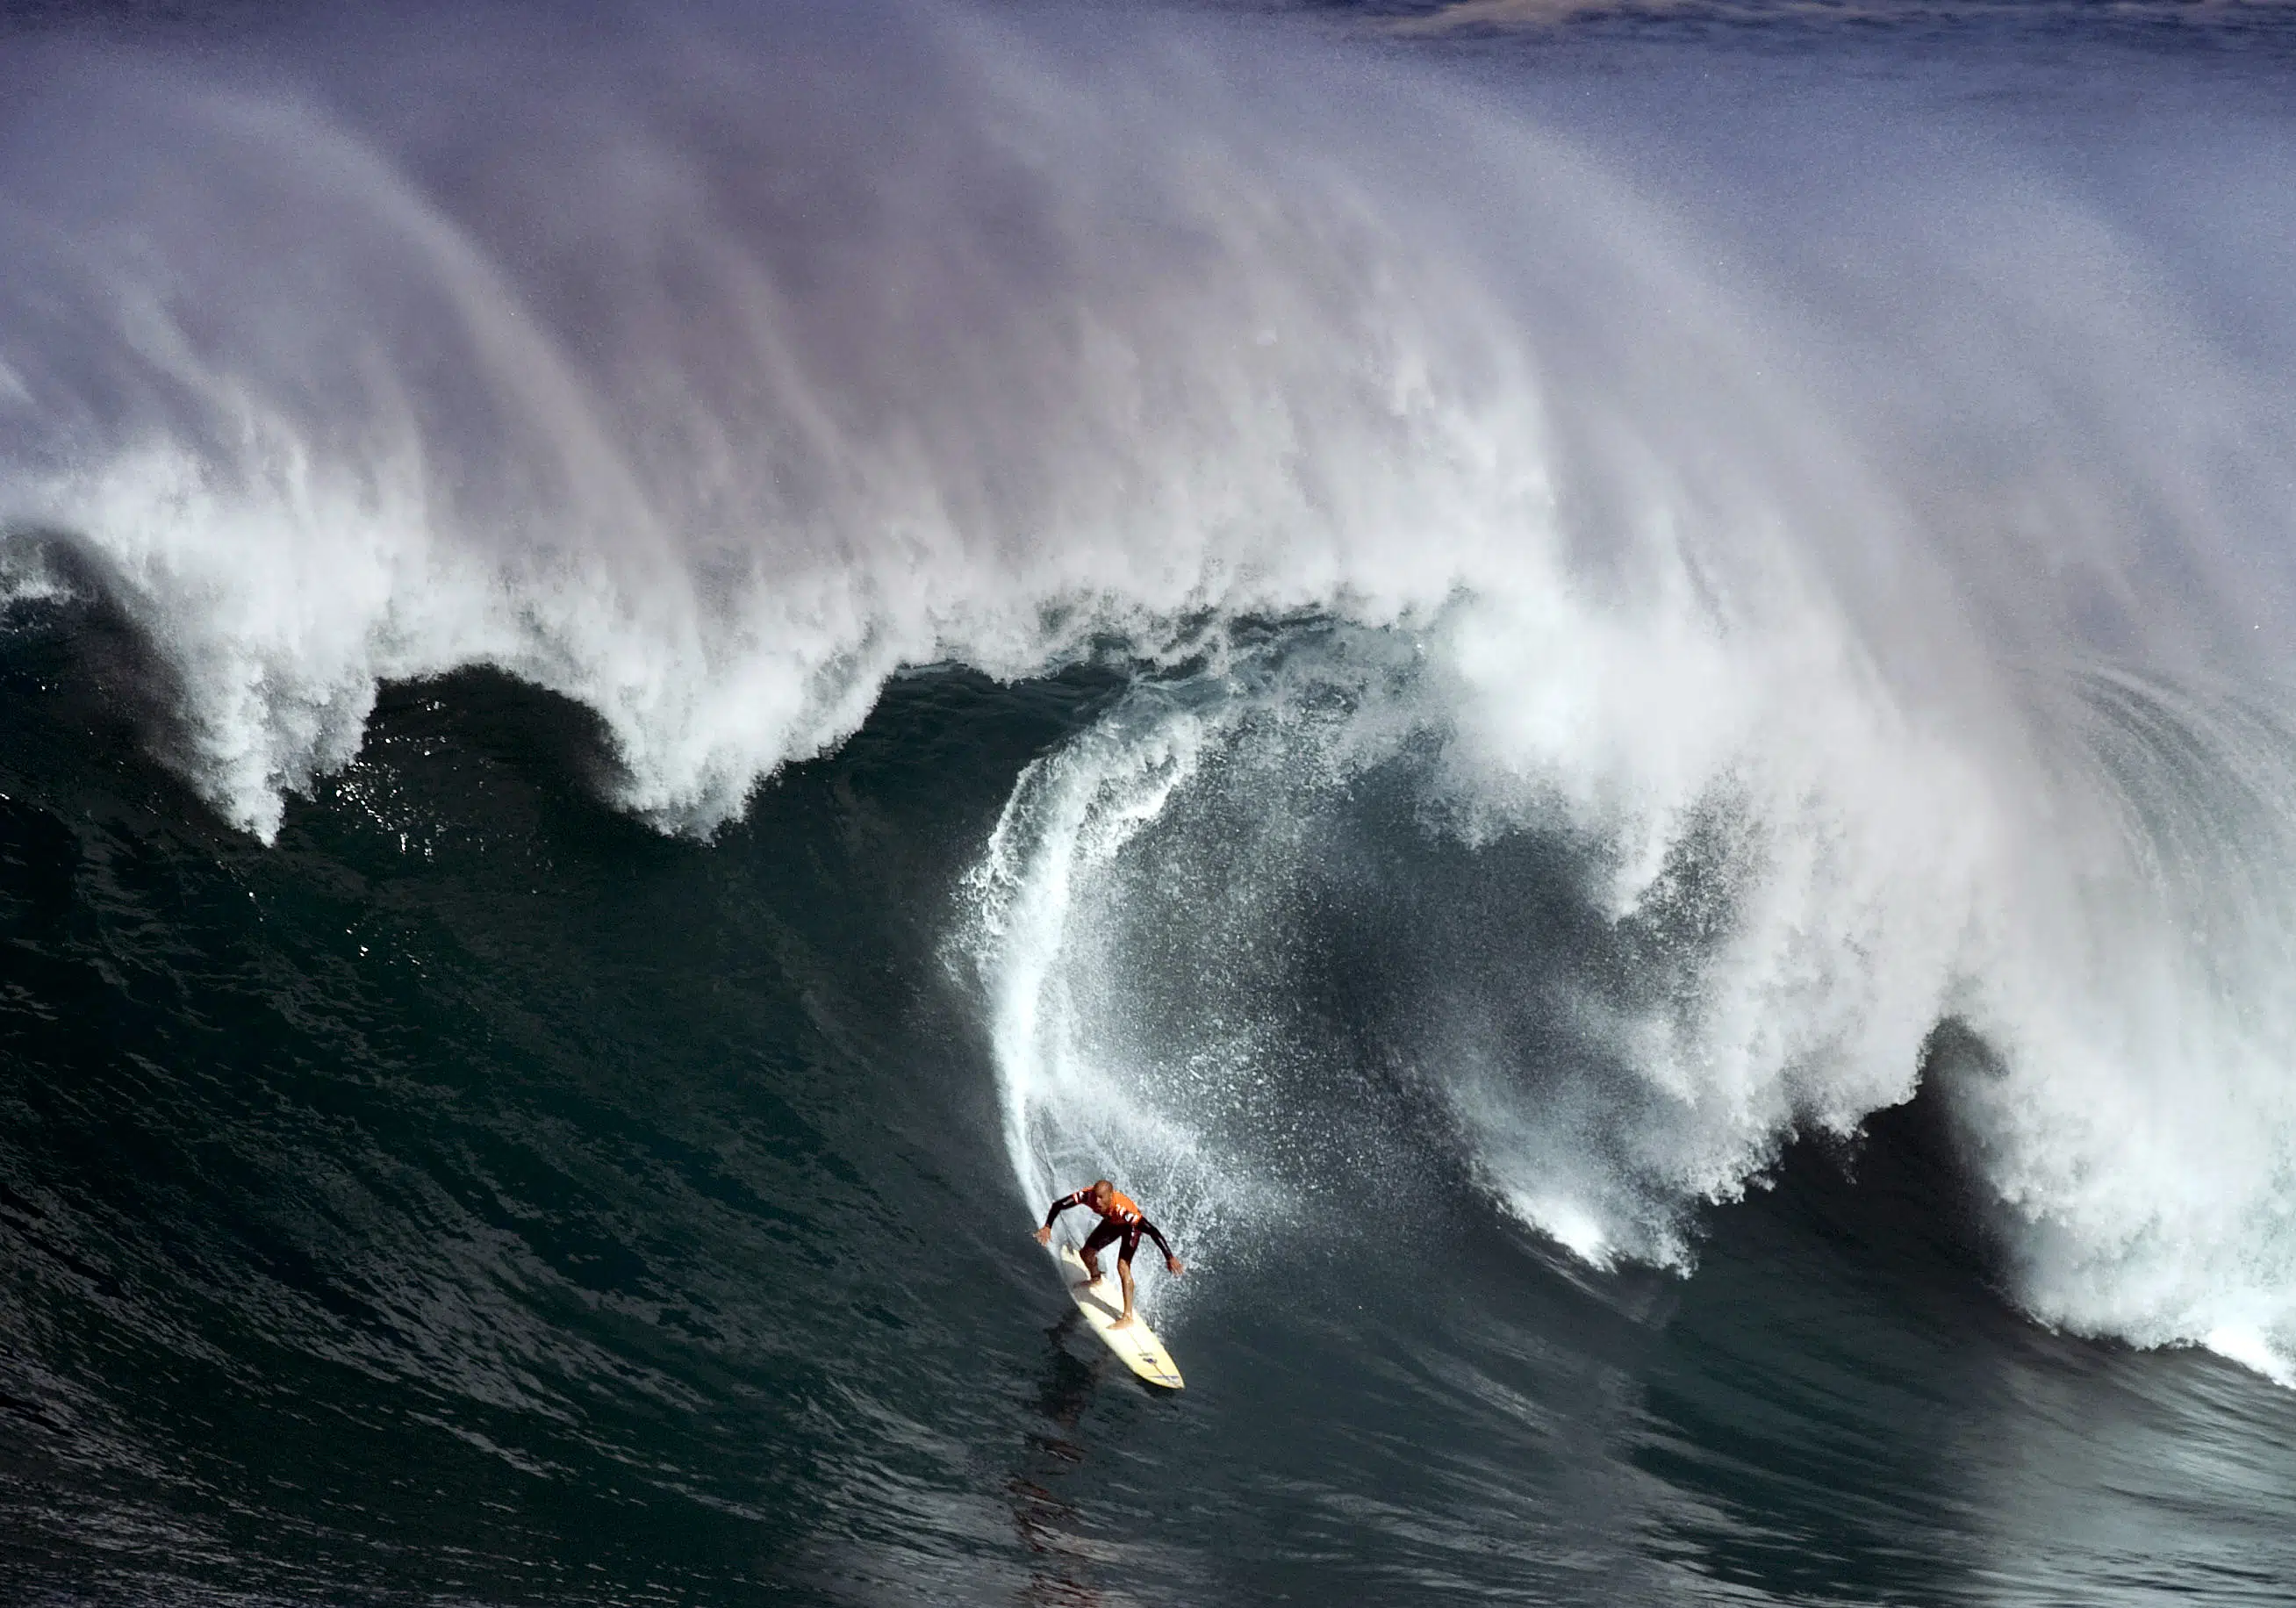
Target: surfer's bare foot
1124, 1322
1087, 1283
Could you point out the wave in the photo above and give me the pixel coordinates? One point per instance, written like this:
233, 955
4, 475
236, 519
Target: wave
1283, 943
1634, 632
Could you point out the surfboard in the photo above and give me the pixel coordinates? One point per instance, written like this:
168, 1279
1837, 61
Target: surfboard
1101, 1305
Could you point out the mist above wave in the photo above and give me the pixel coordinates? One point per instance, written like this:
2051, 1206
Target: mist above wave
1732, 483
713, 375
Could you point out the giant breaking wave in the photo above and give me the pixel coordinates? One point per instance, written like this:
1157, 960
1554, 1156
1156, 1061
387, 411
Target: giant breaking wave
1631, 638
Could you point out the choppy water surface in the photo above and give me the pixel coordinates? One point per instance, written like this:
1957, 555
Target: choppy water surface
1599, 692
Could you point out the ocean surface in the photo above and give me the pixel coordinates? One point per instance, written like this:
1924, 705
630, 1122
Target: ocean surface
1602, 691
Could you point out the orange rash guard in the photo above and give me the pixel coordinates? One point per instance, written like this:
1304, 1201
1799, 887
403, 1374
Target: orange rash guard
1122, 1219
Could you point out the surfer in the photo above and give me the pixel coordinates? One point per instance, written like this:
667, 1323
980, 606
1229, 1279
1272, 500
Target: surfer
1120, 1219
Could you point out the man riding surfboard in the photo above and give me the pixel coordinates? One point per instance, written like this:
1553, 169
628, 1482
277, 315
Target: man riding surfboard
1120, 1219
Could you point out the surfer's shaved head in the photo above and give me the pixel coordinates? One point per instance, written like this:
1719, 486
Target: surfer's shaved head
1102, 1189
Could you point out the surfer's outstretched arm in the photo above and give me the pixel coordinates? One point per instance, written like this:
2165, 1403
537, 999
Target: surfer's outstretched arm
1045, 1235
1171, 1263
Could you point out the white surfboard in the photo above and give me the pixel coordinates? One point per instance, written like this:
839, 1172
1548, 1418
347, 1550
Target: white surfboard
1101, 1305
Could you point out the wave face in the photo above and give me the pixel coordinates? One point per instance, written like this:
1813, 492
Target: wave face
1646, 700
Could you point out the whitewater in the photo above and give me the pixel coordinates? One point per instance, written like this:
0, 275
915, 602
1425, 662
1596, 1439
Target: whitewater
1650, 619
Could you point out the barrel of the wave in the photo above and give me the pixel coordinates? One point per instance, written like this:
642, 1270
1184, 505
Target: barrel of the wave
1122, 1224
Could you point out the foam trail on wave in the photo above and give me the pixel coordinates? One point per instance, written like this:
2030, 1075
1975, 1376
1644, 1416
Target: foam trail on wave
1073, 1109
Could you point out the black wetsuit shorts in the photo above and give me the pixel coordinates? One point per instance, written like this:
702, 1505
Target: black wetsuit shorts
1109, 1230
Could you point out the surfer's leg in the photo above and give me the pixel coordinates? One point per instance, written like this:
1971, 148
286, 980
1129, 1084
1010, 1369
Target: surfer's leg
1090, 1255
1124, 1270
